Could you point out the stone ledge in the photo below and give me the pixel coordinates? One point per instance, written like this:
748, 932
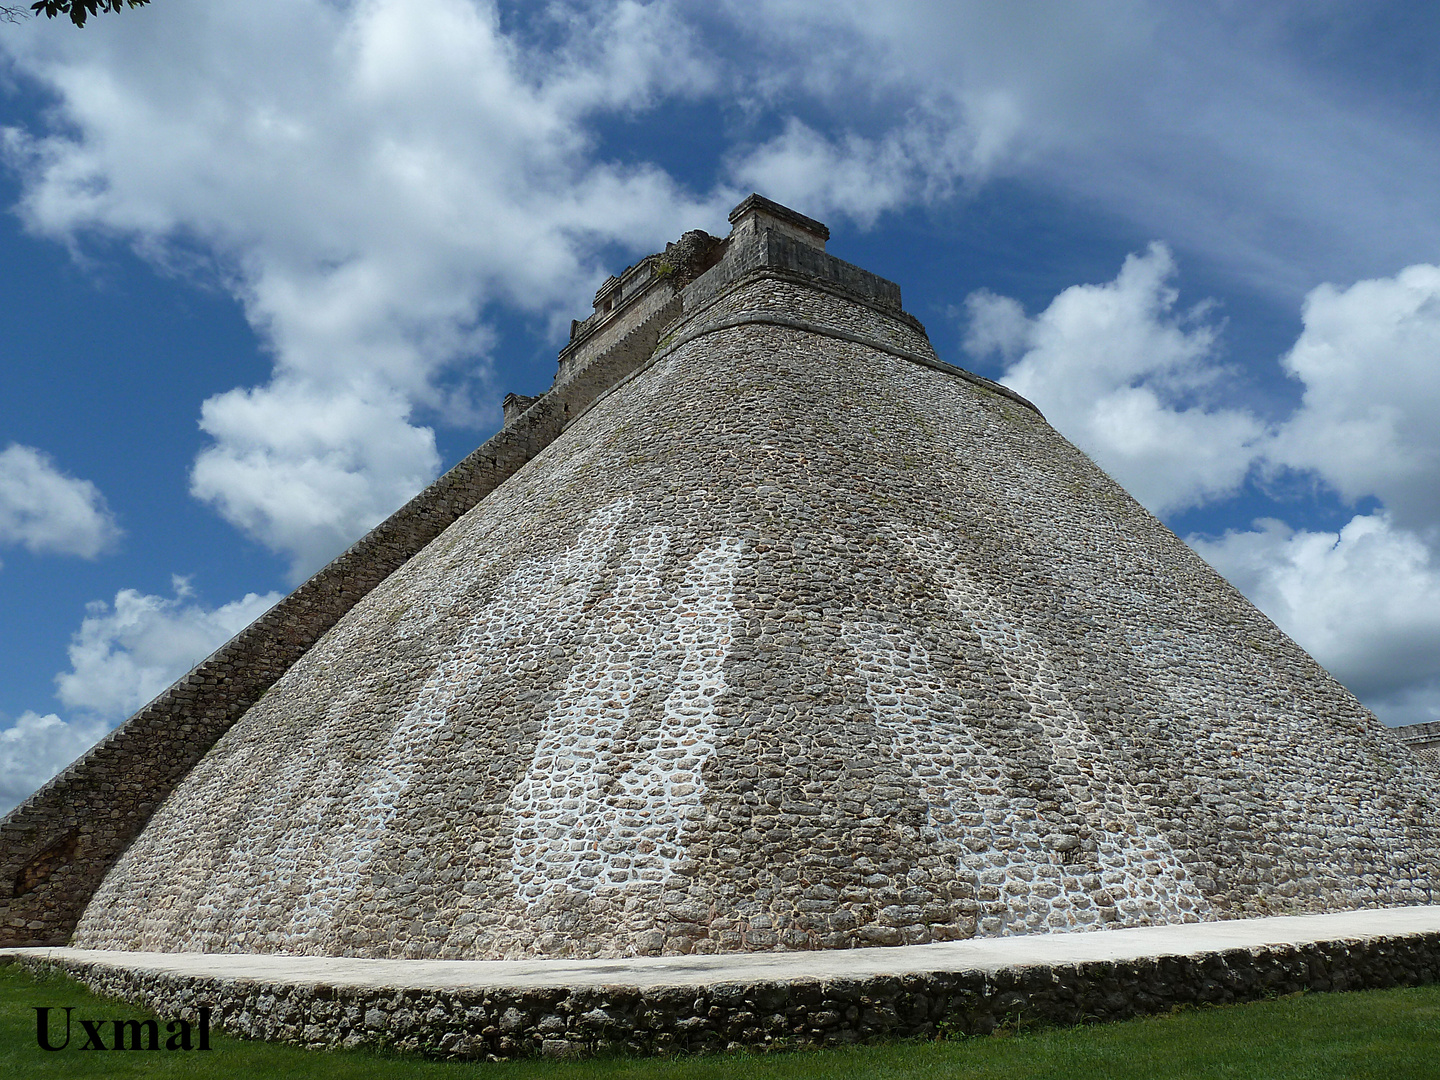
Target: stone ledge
757, 203
812, 327
498, 1009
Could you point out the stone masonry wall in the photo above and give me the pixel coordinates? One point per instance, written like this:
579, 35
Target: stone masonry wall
794, 643
793, 297
558, 1022
1423, 740
787, 643
753, 245
655, 306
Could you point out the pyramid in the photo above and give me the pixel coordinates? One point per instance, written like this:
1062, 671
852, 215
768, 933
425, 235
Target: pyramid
769, 630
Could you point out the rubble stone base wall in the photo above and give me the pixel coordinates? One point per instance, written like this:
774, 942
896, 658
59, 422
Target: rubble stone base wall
562, 1022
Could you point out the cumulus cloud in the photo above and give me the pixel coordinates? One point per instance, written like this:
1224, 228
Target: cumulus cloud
1369, 356
48, 512
367, 179
1123, 372
1214, 126
306, 471
34, 748
1364, 602
127, 652
1129, 376
859, 176
123, 655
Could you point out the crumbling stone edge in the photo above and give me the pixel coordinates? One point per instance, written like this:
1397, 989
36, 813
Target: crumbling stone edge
496, 1023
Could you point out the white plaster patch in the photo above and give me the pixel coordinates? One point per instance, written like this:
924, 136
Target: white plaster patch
663, 789
335, 830
585, 820
1145, 879
968, 807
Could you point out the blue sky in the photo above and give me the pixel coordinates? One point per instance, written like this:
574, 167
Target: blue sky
270, 265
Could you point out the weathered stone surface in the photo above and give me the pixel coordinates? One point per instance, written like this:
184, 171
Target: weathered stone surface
787, 643
762, 630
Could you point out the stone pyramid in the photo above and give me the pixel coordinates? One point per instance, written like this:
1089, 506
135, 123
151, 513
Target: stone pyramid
768, 630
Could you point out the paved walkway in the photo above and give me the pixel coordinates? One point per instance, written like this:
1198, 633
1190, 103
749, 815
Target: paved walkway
988, 954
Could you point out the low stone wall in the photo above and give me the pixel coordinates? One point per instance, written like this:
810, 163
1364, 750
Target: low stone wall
1422, 739
771, 1015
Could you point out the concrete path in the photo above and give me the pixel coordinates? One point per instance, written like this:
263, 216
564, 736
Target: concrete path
985, 955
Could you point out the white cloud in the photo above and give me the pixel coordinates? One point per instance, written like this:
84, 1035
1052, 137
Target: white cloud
1369, 356
1109, 364
307, 472
1130, 378
126, 653
122, 656
1127, 376
995, 324
367, 178
1223, 128
983, 85
34, 748
48, 512
1364, 602
857, 176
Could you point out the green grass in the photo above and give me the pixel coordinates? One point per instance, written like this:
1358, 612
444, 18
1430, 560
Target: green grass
1381, 1033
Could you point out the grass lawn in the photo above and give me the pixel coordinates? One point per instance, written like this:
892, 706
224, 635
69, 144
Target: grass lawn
1379, 1033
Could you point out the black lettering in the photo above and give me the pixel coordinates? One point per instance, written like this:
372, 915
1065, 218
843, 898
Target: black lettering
93, 1041
204, 1027
42, 1028
134, 1027
178, 1040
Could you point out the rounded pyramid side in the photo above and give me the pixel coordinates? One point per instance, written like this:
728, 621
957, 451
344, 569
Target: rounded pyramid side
787, 643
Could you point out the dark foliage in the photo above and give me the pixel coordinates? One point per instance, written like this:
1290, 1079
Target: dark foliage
80, 10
